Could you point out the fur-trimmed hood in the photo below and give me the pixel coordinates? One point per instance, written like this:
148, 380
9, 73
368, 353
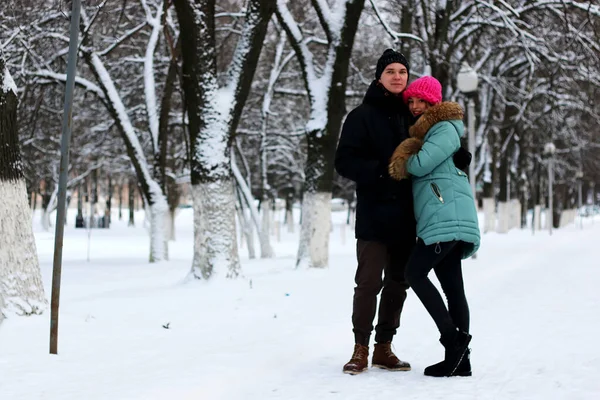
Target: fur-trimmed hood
446, 111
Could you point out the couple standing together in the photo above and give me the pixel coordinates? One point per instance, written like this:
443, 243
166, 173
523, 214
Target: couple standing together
415, 212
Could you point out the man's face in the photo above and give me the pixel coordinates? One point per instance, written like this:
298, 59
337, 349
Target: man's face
394, 78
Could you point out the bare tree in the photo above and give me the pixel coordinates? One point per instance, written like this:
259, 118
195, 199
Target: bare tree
214, 114
327, 93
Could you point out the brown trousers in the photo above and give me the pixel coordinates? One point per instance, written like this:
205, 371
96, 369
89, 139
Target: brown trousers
375, 259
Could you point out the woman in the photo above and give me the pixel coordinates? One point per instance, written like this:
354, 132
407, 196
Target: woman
447, 227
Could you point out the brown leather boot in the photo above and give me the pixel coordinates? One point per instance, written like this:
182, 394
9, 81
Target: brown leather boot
384, 357
359, 361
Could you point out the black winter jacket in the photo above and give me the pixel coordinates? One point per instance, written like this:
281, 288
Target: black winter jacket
371, 132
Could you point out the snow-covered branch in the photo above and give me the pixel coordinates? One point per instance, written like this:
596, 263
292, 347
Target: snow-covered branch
149, 82
80, 81
246, 54
393, 34
116, 43
303, 54
325, 17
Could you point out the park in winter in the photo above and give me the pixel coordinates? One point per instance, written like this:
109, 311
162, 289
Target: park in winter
308, 199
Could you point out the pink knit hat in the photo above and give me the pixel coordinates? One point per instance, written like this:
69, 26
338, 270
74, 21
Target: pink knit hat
426, 88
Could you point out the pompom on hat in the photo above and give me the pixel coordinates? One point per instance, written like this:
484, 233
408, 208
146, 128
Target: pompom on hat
426, 88
388, 57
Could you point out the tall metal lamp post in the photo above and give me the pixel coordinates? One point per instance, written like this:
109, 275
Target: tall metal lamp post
467, 81
549, 150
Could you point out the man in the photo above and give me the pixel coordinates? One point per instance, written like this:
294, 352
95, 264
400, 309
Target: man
385, 224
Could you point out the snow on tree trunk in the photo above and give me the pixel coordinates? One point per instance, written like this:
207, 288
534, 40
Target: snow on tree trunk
289, 217
503, 224
159, 249
21, 289
171, 224
266, 250
45, 218
215, 244
313, 250
489, 214
50, 207
246, 230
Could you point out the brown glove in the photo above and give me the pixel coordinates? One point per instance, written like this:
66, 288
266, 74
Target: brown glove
397, 166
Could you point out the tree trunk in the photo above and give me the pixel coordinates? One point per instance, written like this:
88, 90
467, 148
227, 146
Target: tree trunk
316, 223
173, 194
406, 25
159, 249
121, 201
245, 225
108, 212
94, 200
289, 213
21, 289
243, 188
213, 115
560, 201
503, 177
131, 202
215, 244
79, 220
46, 197
313, 250
266, 251
33, 200
171, 224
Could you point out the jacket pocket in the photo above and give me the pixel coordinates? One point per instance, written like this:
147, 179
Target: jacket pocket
436, 191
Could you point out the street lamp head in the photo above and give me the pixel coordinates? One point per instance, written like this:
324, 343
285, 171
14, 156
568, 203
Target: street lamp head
467, 79
549, 149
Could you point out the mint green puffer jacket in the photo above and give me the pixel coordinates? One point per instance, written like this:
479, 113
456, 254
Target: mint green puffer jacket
443, 204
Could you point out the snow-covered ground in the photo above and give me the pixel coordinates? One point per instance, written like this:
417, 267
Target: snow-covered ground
281, 333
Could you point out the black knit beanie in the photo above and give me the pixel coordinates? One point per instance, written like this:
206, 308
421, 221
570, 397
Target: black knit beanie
388, 57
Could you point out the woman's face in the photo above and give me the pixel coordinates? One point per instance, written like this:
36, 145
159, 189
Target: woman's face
394, 78
417, 106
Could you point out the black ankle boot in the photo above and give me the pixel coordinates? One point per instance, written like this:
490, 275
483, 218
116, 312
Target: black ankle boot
456, 346
456, 361
464, 368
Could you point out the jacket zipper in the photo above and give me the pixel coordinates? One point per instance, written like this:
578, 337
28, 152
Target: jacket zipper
437, 192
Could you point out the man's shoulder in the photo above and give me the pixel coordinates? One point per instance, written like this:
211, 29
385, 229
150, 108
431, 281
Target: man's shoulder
363, 110
357, 114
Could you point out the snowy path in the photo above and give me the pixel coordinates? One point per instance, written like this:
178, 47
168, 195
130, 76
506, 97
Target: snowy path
534, 305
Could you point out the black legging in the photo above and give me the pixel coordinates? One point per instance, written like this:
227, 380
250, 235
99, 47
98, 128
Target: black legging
445, 259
